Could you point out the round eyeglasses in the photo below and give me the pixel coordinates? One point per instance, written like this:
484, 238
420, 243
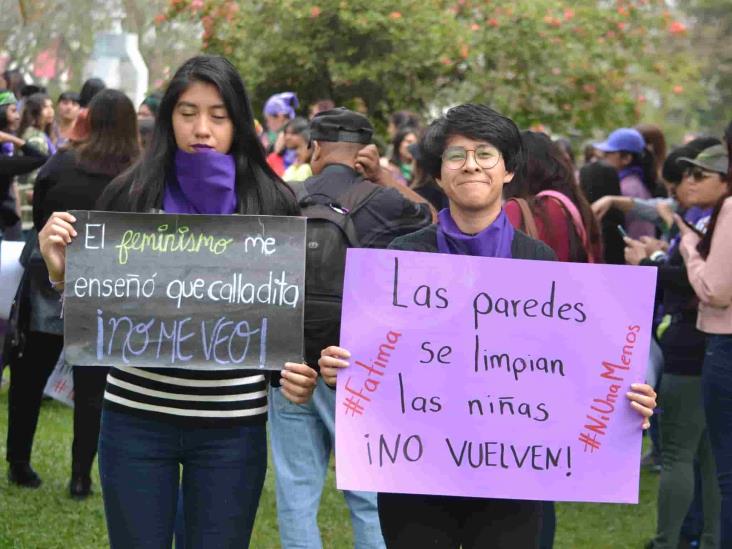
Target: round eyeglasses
485, 156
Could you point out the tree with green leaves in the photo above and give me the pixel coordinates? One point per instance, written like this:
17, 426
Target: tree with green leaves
575, 67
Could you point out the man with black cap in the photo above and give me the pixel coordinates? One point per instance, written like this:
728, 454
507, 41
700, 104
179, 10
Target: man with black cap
303, 436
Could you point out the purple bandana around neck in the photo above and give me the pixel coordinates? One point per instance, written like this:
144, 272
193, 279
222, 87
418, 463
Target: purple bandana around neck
493, 241
204, 183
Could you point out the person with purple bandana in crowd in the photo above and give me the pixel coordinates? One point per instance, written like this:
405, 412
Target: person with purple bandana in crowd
278, 110
204, 158
472, 151
625, 150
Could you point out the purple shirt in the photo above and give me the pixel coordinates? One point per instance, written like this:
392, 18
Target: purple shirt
632, 185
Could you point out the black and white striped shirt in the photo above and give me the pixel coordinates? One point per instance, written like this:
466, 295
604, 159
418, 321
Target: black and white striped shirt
192, 397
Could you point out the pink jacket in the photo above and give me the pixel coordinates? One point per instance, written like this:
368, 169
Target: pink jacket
712, 279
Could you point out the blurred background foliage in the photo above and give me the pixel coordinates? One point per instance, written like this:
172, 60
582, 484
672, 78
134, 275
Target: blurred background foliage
576, 68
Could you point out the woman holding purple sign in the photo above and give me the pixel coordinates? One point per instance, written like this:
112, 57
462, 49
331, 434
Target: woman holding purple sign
204, 158
472, 152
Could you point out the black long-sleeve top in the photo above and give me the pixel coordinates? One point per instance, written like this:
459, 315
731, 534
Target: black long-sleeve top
682, 344
10, 166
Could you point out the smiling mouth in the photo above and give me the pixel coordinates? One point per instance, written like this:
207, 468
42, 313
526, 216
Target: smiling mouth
483, 182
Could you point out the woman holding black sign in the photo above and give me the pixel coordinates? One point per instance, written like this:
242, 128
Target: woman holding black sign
204, 158
471, 152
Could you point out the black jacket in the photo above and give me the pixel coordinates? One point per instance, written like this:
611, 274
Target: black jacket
10, 166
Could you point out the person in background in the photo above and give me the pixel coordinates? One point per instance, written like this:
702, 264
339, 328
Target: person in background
36, 125
14, 81
303, 437
423, 183
148, 109
67, 109
36, 122
707, 260
684, 435
598, 179
399, 120
74, 178
320, 105
545, 202
297, 138
656, 144
278, 109
658, 210
625, 150
12, 164
401, 162
80, 130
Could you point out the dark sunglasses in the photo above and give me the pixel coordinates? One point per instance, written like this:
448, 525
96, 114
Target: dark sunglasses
698, 174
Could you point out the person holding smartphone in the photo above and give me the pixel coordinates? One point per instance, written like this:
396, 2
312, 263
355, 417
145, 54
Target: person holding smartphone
684, 433
708, 261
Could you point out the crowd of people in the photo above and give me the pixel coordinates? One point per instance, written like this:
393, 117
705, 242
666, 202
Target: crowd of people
183, 453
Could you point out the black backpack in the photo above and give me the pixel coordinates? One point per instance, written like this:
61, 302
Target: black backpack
330, 232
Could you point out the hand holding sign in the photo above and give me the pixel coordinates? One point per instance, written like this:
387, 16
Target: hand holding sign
56, 234
491, 378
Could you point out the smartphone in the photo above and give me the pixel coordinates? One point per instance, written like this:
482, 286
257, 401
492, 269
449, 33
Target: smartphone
622, 231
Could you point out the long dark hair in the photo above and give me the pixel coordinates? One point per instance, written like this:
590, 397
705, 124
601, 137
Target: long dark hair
32, 110
90, 88
705, 245
112, 145
259, 189
401, 135
4, 117
647, 162
546, 168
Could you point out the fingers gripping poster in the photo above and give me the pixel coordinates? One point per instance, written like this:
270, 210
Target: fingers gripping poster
491, 377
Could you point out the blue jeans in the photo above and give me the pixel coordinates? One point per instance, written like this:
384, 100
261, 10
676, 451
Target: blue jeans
302, 437
717, 387
139, 467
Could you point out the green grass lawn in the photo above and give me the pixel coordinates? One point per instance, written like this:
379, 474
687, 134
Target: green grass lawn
47, 518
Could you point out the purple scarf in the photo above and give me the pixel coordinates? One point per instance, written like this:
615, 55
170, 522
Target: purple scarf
204, 183
631, 170
696, 216
493, 241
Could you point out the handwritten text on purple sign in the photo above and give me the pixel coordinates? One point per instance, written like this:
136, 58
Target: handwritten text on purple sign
490, 377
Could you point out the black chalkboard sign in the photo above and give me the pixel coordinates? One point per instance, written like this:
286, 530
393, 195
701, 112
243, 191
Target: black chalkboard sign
185, 291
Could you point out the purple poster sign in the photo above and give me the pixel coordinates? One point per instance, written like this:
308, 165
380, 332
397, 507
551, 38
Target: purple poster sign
491, 377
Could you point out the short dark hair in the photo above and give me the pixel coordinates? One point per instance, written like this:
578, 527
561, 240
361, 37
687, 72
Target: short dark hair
90, 88
68, 96
478, 122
